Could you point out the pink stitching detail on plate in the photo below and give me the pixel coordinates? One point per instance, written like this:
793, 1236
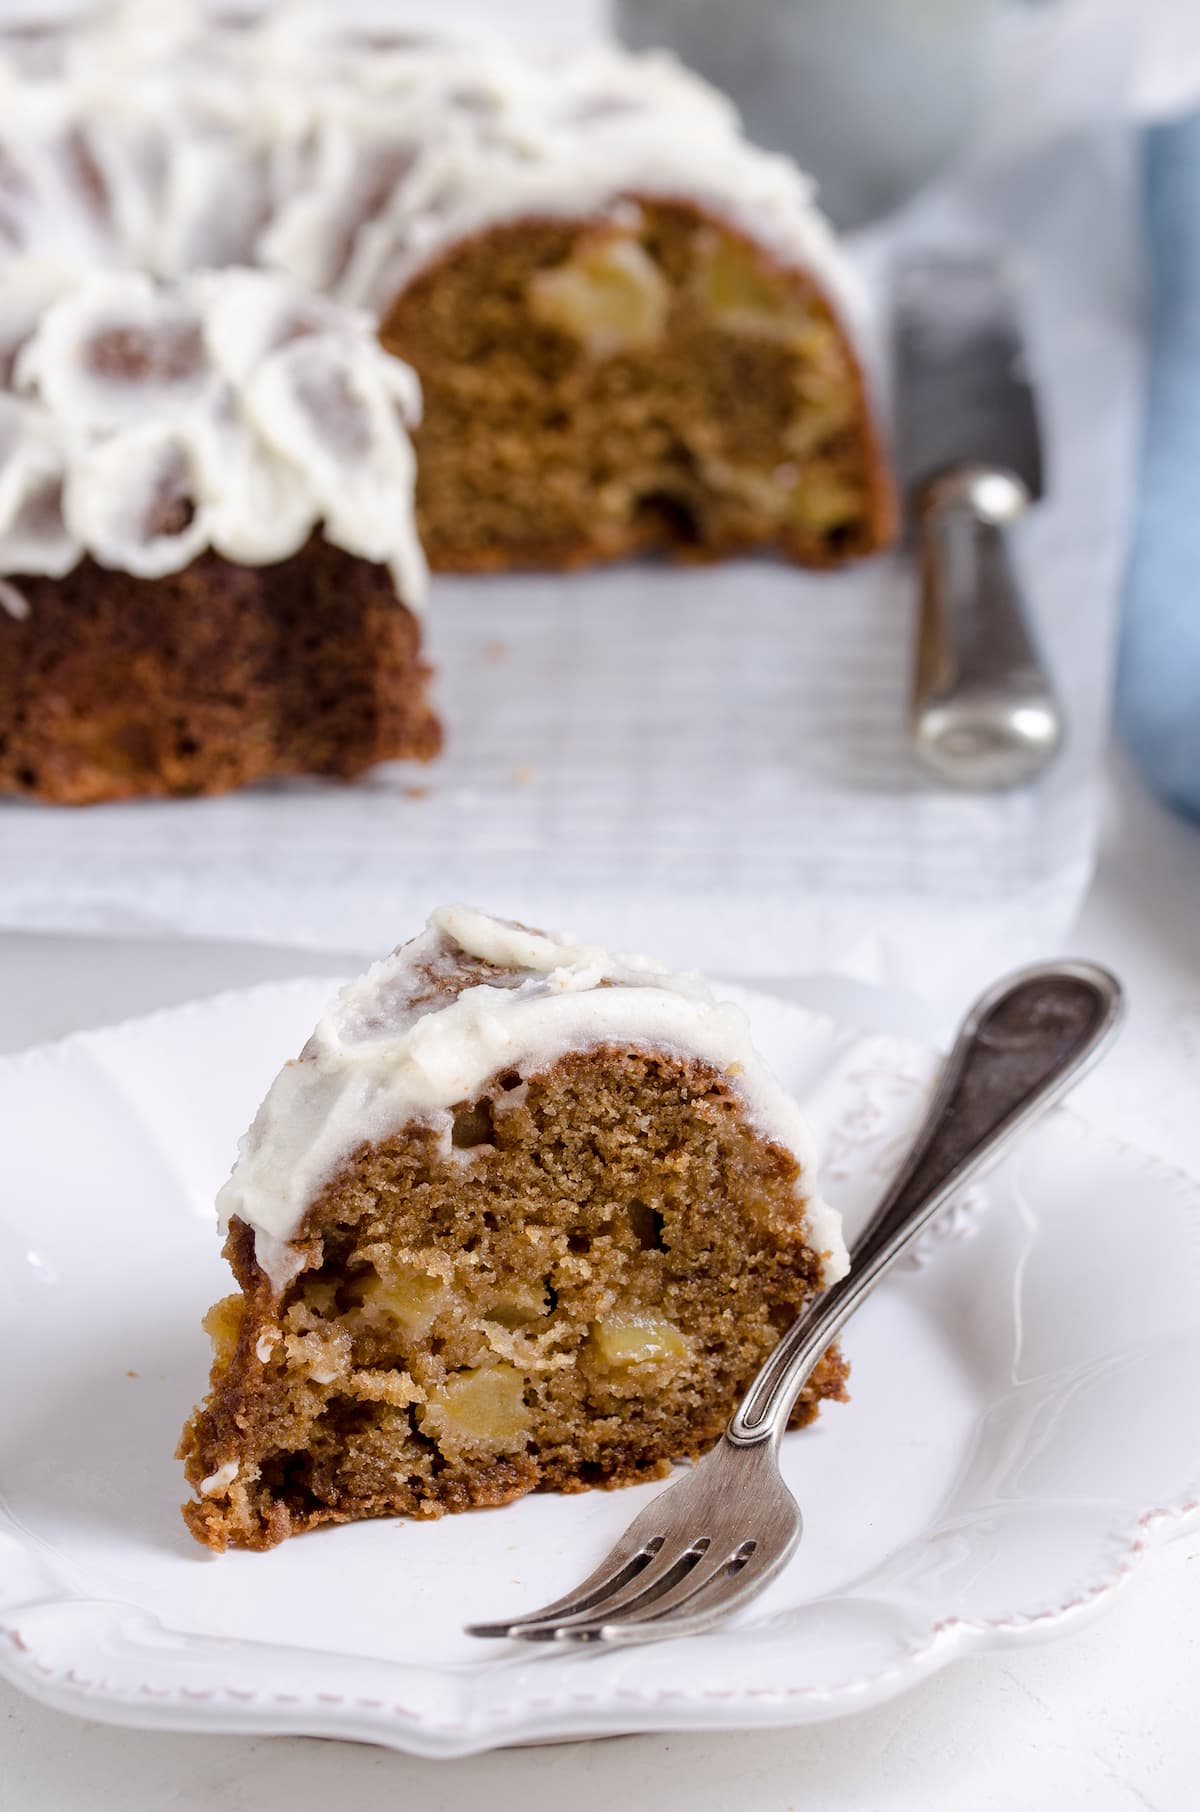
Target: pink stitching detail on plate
919, 1654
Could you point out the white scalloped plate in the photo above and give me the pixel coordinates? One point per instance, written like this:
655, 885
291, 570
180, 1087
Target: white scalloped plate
1025, 1415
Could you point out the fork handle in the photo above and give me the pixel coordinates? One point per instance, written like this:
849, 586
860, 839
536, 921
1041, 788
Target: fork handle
1020, 1048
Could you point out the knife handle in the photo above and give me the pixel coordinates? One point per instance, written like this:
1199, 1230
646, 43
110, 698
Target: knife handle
984, 711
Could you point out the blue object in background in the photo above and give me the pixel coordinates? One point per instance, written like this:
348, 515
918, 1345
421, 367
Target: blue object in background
1158, 682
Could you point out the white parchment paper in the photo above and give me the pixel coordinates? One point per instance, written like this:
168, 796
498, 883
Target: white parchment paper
715, 762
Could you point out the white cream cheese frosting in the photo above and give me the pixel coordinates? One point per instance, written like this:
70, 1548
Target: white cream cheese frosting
162, 140
439, 1019
148, 422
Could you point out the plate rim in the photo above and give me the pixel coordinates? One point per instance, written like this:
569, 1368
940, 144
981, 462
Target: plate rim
561, 1714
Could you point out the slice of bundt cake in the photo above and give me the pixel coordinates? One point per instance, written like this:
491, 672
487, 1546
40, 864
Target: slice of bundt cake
209, 567
523, 1214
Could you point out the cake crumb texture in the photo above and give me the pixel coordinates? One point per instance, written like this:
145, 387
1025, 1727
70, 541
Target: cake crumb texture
569, 1286
653, 380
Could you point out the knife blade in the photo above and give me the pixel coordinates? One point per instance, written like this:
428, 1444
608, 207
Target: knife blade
984, 712
963, 392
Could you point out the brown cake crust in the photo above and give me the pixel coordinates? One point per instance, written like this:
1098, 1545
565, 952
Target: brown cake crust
535, 452
619, 1189
115, 687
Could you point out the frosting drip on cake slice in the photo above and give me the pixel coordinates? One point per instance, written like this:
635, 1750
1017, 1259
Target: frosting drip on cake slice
432, 1026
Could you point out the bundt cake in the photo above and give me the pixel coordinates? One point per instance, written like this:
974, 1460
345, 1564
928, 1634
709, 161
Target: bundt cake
632, 329
522, 1215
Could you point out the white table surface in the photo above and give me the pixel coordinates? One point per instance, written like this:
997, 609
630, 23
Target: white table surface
1103, 1720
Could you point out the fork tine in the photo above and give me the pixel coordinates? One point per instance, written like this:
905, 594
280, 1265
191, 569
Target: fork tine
692, 1584
622, 1564
696, 1605
632, 1555
672, 1566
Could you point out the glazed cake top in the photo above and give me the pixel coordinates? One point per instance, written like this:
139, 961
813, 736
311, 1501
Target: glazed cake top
148, 422
435, 1022
162, 140
171, 140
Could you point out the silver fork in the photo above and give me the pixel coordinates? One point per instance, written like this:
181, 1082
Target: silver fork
715, 1538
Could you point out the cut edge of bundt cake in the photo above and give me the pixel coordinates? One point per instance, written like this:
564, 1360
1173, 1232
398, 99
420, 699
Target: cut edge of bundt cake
522, 1215
652, 378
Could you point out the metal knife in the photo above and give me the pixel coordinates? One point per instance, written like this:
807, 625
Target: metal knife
984, 709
